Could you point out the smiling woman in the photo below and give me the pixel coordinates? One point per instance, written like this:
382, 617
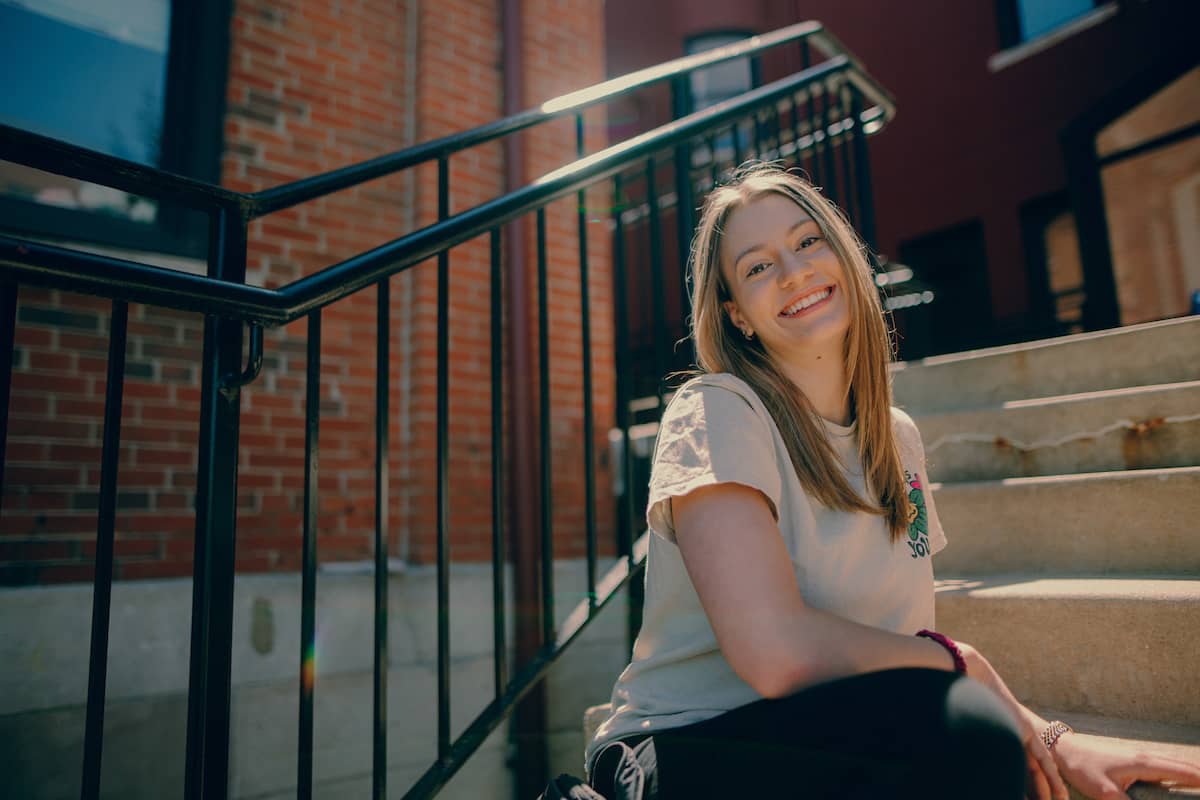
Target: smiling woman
787, 647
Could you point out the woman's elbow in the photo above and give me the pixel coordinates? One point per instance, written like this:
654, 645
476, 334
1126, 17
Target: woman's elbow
774, 677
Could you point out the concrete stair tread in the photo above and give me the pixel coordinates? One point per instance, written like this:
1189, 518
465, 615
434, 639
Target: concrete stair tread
1148, 389
1168, 588
1123, 646
1134, 522
1180, 742
1056, 342
1135, 355
1144, 427
1071, 477
1075, 397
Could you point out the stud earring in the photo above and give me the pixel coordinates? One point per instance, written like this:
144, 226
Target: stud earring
749, 334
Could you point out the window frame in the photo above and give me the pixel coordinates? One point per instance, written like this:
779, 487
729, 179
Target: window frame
1012, 49
740, 33
193, 140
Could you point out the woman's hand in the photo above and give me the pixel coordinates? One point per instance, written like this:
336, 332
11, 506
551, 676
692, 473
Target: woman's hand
1104, 770
1043, 781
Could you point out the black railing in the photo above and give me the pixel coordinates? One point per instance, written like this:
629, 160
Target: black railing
817, 118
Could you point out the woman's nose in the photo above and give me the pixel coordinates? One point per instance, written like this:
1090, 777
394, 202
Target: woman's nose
795, 269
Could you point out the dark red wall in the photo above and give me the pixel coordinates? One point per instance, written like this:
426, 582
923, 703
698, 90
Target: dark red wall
966, 142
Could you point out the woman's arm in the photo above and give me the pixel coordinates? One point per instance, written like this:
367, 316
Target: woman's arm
743, 575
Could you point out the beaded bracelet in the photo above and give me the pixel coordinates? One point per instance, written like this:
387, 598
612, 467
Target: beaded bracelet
960, 663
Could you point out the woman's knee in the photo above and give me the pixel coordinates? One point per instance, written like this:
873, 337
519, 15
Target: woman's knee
983, 739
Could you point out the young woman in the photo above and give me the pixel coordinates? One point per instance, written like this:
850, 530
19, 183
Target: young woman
790, 563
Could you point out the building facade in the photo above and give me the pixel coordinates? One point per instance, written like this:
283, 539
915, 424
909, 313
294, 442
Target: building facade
254, 95
1040, 175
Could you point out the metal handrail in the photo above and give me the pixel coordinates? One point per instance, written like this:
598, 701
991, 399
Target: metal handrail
852, 107
77, 162
135, 282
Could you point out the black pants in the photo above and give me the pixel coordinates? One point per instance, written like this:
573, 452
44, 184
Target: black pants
904, 733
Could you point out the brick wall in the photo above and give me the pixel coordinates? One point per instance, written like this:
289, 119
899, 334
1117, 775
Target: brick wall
313, 86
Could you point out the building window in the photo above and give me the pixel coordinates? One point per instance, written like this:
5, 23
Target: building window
1021, 21
118, 77
722, 81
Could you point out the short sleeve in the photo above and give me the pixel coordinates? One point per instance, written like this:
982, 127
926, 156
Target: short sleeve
710, 434
909, 437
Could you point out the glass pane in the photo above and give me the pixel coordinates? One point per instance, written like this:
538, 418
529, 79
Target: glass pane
714, 84
1043, 16
93, 73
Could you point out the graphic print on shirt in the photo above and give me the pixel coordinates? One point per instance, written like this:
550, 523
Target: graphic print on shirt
918, 517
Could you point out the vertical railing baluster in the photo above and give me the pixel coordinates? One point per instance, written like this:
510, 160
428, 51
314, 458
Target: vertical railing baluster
759, 150
714, 170
308, 558
862, 174
683, 227
736, 128
810, 90
589, 423
206, 773
848, 199
623, 361
796, 133
499, 617
801, 155
383, 330
547, 522
829, 168
93, 740
443, 468
8, 324
658, 290
776, 125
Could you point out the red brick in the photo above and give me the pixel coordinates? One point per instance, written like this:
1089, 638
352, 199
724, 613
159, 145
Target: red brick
147, 456
73, 573
136, 570
342, 67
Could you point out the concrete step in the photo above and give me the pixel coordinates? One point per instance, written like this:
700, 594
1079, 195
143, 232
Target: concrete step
1139, 427
1181, 742
1098, 523
1137, 355
1119, 647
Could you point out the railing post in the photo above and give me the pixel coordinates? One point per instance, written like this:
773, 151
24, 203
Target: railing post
8, 322
862, 175
206, 775
93, 740
626, 514
683, 198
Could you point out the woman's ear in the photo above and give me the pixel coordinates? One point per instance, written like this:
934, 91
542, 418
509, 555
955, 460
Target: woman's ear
735, 316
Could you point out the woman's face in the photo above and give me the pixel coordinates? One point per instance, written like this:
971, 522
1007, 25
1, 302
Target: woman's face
788, 286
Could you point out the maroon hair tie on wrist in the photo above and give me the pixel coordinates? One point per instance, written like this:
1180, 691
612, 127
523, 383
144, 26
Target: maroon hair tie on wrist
960, 663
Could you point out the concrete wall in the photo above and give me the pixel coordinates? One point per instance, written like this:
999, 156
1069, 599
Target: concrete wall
43, 684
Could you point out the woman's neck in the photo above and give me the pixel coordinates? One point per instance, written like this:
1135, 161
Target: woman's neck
822, 378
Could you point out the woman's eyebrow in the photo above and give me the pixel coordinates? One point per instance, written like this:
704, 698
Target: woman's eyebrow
790, 230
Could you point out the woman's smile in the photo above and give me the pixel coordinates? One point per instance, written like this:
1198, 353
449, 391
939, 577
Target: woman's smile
808, 302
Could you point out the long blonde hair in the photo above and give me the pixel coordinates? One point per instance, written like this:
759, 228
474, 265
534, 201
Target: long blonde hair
720, 347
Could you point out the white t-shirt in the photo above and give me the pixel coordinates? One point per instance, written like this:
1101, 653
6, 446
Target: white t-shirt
717, 430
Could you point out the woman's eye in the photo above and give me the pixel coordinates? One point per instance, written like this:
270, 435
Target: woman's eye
756, 268
808, 241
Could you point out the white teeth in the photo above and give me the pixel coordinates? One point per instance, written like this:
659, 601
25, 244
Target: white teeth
806, 302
